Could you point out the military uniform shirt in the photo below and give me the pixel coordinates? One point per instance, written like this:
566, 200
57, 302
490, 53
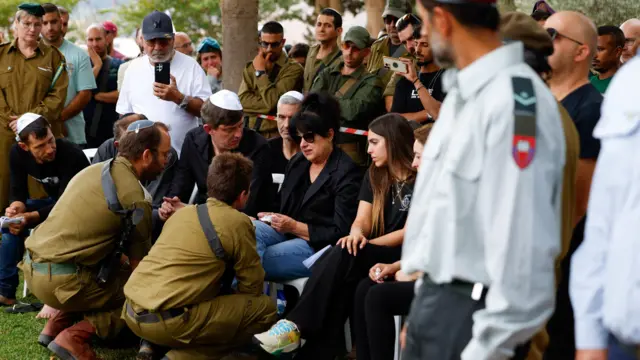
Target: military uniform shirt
380, 49
82, 230
181, 269
312, 65
483, 215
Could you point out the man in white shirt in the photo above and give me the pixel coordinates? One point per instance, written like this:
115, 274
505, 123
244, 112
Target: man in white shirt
484, 227
176, 104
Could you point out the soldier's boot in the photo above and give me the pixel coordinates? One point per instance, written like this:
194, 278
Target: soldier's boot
74, 343
55, 325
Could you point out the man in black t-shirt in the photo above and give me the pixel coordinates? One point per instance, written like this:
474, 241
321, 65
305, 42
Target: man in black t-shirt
418, 96
52, 163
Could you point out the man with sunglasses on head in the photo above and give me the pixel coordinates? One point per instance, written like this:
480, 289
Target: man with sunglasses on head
607, 60
177, 103
575, 40
266, 78
358, 92
389, 45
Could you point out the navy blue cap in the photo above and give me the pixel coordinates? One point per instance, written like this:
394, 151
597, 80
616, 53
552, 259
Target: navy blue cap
157, 25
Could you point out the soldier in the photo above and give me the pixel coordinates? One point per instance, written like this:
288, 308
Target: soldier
359, 92
32, 79
178, 296
72, 261
327, 52
485, 228
266, 78
389, 45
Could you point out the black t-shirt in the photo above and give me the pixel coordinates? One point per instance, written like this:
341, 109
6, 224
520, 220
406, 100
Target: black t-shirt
584, 107
107, 81
396, 203
278, 161
406, 98
54, 176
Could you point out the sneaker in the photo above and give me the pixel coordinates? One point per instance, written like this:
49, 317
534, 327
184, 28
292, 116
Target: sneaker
283, 337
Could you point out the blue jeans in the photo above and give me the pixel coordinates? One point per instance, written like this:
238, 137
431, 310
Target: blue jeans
619, 351
12, 251
281, 258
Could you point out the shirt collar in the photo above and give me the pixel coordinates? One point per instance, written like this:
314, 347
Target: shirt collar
327, 59
337, 68
14, 46
282, 60
475, 76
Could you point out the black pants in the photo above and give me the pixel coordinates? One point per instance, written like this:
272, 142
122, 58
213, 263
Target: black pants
440, 323
326, 302
374, 307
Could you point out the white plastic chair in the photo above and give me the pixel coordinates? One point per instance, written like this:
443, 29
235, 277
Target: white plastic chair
90, 153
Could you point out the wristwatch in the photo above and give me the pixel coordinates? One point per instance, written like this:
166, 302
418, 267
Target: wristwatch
185, 102
260, 73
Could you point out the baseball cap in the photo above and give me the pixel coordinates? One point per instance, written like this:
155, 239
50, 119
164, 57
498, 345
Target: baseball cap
522, 27
32, 8
396, 8
227, 100
208, 45
109, 26
359, 36
157, 25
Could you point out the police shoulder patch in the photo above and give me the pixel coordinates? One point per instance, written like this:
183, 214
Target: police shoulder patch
524, 129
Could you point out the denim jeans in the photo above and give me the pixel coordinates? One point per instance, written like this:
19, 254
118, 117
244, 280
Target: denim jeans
619, 351
281, 258
12, 251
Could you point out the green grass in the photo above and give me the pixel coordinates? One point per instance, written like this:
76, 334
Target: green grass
19, 335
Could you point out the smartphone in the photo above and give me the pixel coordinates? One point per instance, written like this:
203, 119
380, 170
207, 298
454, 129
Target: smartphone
394, 64
162, 71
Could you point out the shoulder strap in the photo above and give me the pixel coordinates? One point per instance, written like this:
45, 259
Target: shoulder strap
210, 231
323, 65
111, 195
525, 116
346, 87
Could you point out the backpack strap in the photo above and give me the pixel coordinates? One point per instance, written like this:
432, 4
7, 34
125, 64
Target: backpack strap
210, 232
111, 195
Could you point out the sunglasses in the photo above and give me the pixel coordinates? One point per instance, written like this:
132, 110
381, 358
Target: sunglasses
266, 44
308, 137
555, 33
390, 20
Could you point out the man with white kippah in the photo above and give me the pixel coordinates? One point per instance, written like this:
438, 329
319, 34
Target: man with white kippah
223, 131
177, 103
286, 145
52, 163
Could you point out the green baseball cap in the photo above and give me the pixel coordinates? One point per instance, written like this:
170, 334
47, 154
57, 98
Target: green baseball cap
359, 36
32, 8
396, 8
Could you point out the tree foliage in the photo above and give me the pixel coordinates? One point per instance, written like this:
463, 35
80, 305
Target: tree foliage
602, 12
8, 10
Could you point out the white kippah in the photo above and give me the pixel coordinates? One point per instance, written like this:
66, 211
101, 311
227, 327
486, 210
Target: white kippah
226, 99
294, 94
26, 119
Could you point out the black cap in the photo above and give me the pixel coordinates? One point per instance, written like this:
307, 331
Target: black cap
33, 9
157, 25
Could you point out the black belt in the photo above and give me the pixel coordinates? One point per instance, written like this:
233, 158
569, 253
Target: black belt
147, 317
475, 291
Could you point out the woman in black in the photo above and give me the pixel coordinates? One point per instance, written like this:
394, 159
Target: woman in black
317, 198
376, 236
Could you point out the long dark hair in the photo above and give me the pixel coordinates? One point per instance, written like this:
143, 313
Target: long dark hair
398, 137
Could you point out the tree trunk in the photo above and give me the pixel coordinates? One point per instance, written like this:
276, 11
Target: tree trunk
321, 4
240, 39
337, 5
374, 16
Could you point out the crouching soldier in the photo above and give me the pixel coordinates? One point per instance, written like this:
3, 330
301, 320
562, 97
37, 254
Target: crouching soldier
78, 259
179, 295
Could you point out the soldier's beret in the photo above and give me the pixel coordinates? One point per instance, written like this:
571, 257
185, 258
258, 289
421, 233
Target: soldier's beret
32, 8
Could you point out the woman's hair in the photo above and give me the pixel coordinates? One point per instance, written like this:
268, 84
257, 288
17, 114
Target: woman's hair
422, 133
398, 137
318, 113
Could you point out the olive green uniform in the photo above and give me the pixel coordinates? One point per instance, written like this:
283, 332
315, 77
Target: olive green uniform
179, 282
25, 87
361, 103
64, 252
314, 66
259, 96
379, 50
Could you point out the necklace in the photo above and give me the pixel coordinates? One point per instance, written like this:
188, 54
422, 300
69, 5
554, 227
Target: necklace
435, 78
398, 187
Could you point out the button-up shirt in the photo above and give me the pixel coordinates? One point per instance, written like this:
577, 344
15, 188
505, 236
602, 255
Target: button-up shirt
605, 270
479, 217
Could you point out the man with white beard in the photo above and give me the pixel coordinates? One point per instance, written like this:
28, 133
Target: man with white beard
484, 227
177, 103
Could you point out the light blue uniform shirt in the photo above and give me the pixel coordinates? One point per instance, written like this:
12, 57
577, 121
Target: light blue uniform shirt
80, 78
605, 270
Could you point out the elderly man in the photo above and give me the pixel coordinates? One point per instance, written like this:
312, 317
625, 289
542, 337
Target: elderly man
178, 103
631, 30
286, 145
33, 79
183, 43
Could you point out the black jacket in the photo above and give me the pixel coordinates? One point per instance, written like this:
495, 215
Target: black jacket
158, 188
197, 154
330, 204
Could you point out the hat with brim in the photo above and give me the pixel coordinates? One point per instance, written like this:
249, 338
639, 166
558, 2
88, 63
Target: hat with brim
359, 36
157, 25
227, 100
32, 9
518, 26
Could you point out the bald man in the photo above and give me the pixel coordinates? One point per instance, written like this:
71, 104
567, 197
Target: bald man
183, 43
631, 30
575, 40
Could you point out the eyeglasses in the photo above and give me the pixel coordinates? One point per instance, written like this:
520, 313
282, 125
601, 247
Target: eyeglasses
555, 33
309, 137
390, 20
266, 44
629, 41
184, 46
29, 25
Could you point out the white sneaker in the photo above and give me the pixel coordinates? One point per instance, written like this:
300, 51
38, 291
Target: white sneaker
283, 337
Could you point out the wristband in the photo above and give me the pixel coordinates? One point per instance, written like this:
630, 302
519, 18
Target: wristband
416, 80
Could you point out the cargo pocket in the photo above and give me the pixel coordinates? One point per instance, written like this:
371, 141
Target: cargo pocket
5, 84
463, 166
68, 289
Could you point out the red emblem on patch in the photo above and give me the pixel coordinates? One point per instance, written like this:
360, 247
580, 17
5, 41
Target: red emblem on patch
524, 148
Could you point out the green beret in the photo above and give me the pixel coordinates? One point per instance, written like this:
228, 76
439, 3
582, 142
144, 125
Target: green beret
32, 8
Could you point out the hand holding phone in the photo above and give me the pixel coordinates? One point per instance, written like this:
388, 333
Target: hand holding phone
395, 65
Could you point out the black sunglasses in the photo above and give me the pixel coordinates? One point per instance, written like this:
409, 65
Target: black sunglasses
266, 44
309, 137
390, 19
555, 33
